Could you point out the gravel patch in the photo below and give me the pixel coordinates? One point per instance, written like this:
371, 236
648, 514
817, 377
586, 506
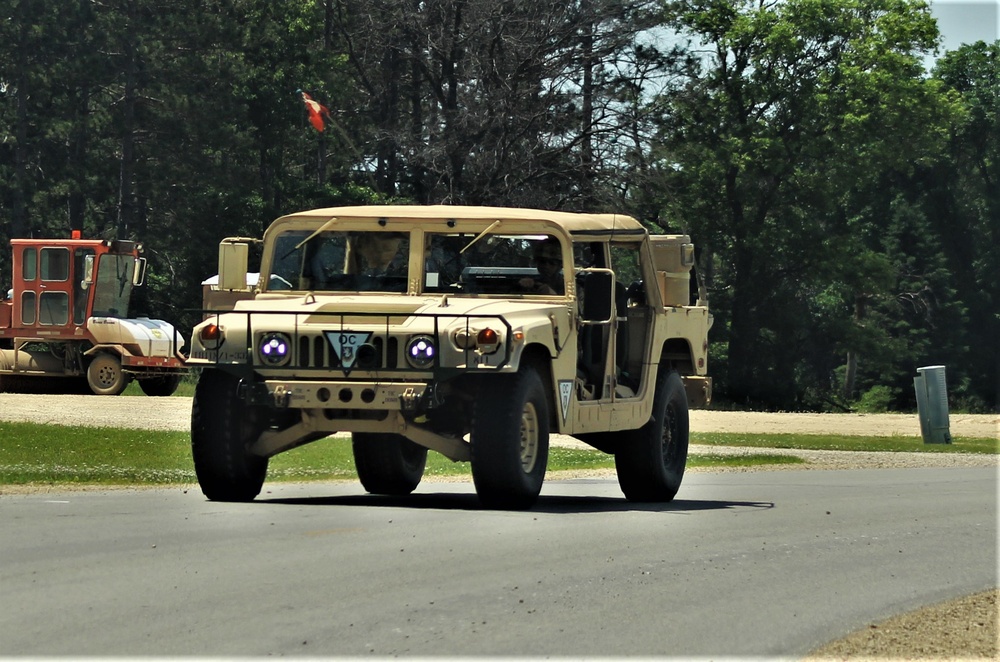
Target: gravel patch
175, 414
817, 459
961, 629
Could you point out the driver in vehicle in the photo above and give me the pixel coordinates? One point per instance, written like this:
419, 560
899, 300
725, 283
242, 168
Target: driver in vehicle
381, 255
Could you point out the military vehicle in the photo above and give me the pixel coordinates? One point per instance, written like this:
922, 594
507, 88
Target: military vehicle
474, 332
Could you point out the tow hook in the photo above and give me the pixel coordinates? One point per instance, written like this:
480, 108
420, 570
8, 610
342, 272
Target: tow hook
412, 402
282, 397
408, 400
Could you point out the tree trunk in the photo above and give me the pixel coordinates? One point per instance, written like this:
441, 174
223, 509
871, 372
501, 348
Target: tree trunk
19, 207
76, 153
742, 329
126, 201
587, 112
850, 375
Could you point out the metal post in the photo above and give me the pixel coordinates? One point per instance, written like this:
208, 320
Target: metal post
932, 404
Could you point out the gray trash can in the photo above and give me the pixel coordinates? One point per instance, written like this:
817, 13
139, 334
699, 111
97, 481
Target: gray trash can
932, 404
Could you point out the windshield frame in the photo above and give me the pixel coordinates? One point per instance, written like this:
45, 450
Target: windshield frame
291, 246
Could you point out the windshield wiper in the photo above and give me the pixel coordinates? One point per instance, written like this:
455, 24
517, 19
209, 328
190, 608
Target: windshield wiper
479, 236
323, 228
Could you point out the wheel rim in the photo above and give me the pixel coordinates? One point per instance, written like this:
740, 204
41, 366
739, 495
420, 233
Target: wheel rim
671, 433
107, 375
529, 437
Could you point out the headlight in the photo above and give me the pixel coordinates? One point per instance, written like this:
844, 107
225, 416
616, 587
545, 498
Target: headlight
275, 349
420, 351
484, 341
464, 339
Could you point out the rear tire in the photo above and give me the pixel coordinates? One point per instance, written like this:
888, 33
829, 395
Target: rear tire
652, 459
388, 463
222, 427
162, 386
105, 375
510, 441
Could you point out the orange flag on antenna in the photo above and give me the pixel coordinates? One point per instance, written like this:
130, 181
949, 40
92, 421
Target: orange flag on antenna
316, 111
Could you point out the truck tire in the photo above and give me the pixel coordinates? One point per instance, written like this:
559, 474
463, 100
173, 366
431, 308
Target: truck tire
510, 441
105, 375
160, 386
222, 427
388, 463
651, 460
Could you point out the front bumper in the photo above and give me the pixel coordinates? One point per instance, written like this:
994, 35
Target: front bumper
340, 395
131, 363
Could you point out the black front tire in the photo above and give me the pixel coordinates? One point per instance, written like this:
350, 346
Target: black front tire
651, 460
159, 387
388, 463
222, 428
510, 441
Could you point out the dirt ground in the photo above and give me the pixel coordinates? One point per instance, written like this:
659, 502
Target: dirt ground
175, 414
962, 629
878, 425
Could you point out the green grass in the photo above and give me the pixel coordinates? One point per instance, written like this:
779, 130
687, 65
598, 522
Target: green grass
58, 455
184, 390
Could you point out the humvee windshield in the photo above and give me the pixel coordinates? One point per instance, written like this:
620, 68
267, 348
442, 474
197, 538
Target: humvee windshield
455, 263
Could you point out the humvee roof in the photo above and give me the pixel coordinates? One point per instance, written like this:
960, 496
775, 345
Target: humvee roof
572, 221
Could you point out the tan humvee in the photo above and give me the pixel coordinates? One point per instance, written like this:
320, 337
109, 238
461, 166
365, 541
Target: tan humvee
471, 331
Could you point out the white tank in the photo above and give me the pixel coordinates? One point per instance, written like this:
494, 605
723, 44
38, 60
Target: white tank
152, 337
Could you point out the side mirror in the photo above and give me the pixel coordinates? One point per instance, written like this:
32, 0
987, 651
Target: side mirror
598, 296
88, 270
139, 273
233, 261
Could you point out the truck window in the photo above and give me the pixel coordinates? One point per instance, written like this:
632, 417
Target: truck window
29, 264
634, 316
80, 289
27, 308
55, 264
113, 285
495, 264
53, 308
341, 261
625, 263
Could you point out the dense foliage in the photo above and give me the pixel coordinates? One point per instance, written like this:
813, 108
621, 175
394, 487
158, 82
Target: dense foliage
846, 202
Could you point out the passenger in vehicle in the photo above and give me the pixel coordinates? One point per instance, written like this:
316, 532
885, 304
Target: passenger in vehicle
442, 261
547, 258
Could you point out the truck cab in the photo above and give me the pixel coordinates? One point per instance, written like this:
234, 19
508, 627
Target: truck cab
67, 316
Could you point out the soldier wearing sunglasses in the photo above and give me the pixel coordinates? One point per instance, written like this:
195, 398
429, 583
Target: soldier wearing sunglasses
547, 258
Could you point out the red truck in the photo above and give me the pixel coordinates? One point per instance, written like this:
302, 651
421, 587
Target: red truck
65, 316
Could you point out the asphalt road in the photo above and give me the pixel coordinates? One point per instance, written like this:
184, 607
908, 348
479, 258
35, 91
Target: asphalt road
741, 564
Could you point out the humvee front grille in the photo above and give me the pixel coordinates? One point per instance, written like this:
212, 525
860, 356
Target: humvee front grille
315, 352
